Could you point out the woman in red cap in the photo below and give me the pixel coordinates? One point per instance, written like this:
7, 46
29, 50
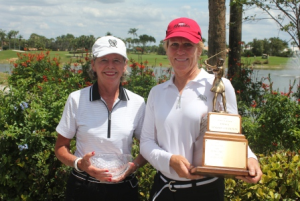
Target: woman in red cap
172, 129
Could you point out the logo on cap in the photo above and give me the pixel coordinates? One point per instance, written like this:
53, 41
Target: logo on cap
181, 24
113, 43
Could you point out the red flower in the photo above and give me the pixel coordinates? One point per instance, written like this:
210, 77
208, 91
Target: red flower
141, 66
254, 104
88, 83
124, 83
265, 86
45, 78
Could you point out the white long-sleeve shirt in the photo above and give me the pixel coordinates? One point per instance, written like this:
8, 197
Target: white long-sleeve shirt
172, 121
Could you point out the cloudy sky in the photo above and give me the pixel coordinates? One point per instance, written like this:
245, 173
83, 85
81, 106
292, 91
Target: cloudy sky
52, 18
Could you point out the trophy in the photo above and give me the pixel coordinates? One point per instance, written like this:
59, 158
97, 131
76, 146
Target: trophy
117, 164
225, 149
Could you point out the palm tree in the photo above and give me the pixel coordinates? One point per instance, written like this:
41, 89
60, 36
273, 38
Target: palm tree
216, 30
144, 39
128, 42
9, 36
2, 36
15, 33
133, 31
20, 38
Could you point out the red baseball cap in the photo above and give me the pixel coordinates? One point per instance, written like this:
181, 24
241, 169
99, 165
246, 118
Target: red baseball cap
184, 27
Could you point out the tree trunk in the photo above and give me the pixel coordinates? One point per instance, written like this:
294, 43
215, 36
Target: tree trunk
216, 30
235, 38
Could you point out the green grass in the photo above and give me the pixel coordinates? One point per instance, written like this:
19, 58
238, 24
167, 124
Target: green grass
3, 78
273, 62
153, 59
6, 55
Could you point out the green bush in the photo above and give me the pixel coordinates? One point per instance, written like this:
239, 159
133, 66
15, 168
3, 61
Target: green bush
280, 180
275, 125
247, 53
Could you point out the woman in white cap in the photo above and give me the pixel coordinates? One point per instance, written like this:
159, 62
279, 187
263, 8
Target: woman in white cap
172, 121
104, 118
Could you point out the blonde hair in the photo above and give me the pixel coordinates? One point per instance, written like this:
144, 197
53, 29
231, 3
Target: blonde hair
200, 45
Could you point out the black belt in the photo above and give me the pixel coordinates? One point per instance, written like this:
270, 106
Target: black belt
86, 177
175, 184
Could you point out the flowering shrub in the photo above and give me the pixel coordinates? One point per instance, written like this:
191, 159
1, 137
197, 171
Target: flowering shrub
29, 113
142, 78
275, 125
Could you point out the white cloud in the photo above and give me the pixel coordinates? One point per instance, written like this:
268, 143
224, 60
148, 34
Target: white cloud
52, 18
43, 26
81, 25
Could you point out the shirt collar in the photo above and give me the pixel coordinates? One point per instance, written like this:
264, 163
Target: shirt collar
202, 77
95, 95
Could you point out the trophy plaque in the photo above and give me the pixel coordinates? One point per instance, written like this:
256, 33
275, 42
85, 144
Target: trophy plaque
225, 149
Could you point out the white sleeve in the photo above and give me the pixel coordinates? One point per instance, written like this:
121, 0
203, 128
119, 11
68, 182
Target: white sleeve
140, 119
232, 106
67, 125
149, 147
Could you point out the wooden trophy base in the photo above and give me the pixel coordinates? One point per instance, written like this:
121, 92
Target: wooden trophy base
219, 171
224, 155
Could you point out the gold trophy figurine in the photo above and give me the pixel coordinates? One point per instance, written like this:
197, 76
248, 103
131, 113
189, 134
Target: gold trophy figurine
224, 151
218, 85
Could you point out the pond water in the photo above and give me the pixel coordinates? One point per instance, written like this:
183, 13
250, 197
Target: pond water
281, 78
5, 68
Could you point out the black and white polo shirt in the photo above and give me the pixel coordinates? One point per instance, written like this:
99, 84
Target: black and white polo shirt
87, 117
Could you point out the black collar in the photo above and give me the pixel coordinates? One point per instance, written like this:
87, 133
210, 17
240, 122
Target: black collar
95, 95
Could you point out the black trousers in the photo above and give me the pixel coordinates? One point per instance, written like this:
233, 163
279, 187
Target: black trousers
84, 190
162, 191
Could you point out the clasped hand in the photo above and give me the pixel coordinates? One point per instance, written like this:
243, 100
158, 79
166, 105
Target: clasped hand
182, 167
102, 175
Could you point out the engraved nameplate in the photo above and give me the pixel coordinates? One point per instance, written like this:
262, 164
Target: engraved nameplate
223, 153
224, 123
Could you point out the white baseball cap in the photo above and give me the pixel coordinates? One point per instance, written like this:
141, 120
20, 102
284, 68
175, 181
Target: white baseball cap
109, 45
